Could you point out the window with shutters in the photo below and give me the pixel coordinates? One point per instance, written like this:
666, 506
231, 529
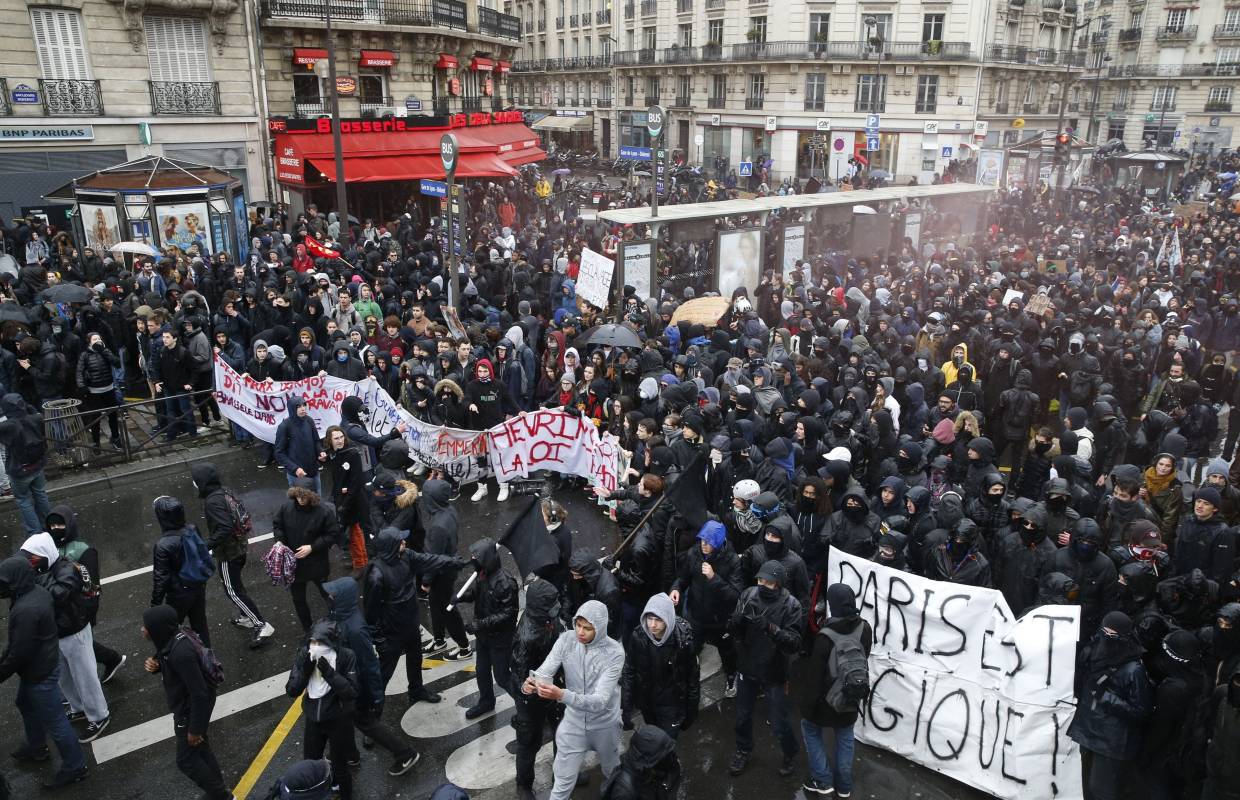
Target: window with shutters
60, 43
177, 49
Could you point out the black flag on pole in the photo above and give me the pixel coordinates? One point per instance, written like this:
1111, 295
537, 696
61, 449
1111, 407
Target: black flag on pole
688, 493
529, 542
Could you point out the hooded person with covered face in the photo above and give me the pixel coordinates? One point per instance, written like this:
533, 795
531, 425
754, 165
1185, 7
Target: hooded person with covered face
168, 556
537, 632
325, 670
494, 595
1222, 767
589, 581
592, 662
661, 676
706, 588
1114, 699
190, 697
33, 654
649, 769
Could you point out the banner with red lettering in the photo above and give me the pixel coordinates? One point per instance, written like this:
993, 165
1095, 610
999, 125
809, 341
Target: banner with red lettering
547, 439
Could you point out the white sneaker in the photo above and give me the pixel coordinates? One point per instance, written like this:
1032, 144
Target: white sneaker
503, 493
480, 493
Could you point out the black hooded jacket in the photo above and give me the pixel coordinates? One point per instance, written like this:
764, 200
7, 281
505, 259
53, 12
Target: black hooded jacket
313, 524
439, 520
596, 584
494, 595
1093, 572
218, 513
191, 698
33, 650
390, 600
537, 630
854, 533
342, 679
649, 770
1020, 559
661, 679
169, 553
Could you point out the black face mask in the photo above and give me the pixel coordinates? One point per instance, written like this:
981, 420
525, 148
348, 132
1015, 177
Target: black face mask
994, 499
807, 505
773, 549
854, 513
1057, 503
1085, 550
768, 594
1030, 535
1041, 447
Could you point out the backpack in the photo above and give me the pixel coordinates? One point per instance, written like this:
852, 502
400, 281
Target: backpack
197, 566
850, 670
280, 564
243, 526
28, 451
212, 669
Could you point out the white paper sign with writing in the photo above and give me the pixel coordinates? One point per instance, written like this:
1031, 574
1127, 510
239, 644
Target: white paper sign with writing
594, 278
960, 686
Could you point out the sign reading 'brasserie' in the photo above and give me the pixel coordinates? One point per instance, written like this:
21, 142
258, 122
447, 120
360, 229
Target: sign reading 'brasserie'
31, 133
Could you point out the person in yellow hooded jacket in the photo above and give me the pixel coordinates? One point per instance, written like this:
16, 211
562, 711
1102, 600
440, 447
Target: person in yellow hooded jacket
959, 357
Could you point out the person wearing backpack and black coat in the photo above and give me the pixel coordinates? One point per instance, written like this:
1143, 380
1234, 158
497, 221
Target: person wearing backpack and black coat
190, 695
309, 528
1173, 754
844, 627
227, 540
649, 769
1114, 700
767, 626
494, 595
537, 631
441, 523
21, 433
326, 671
32, 653
390, 606
167, 583
661, 677
706, 589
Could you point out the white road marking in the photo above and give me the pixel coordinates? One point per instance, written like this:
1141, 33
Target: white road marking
120, 576
485, 762
145, 734
430, 721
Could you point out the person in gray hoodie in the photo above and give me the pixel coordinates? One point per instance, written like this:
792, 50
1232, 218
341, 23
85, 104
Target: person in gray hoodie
592, 663
661, 674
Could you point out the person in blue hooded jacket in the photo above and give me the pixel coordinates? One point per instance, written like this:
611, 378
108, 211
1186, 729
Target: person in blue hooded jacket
354, 634
706, 589
298, 448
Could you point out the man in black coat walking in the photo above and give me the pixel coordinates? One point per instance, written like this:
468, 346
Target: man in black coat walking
661, 676
33, 654
190, 696
494, 596
308, 527
536, 634
189, 599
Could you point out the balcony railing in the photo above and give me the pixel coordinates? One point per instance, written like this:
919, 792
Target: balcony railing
559, 23
1218, 105
819, 104
573, 103
796, 51
574, 21
628, 99
495, 23
869, 106
1165, 105
753, 103
629, 11
713, 5
603, 17
69, 98
1176, 33
542, 26
652, 99
717, 102
6, 107
558, 64
1130, 35
650, 8
1038, 56
313, 108
1226, 31
423, 13
184, 98
1031, 108
1001, 108
683, 101
1229, 69
684, 6
603, 102
1121, 105
374, 106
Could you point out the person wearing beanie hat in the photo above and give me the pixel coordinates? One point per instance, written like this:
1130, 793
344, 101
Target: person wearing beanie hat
766, 625
1142, 543
1203, 540
1115, 700
1076, 420
830, 774
1217, 473
1177, 669
707, 585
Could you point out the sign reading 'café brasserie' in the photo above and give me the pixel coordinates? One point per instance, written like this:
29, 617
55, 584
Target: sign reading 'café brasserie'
31, 133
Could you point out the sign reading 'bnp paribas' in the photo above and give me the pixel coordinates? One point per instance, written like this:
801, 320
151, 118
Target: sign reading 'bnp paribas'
32, 133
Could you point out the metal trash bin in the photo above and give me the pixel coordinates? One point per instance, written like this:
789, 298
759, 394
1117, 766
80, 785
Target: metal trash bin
66, 435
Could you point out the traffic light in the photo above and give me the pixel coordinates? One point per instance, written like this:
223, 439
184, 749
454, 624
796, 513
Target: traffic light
1063, 147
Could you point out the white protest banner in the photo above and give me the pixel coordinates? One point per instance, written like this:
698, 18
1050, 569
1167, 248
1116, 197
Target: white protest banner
545, 439
794, 248
961, 687
1011, 295
594, 278
555, 440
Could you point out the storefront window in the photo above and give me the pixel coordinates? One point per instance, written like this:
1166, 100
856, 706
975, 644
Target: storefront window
812, 154
754, 147
716, 147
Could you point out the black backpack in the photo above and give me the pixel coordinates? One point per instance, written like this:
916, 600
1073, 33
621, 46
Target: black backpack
849, 668
212, 669
28, 451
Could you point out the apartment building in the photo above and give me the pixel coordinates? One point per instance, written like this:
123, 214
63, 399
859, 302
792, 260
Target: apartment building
87, 84
1172, 76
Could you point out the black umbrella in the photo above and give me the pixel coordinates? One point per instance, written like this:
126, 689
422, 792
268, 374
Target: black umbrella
12, 312
67, 293
615, 336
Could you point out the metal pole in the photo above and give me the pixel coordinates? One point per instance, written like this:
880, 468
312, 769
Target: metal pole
654, 177
1162, 118
1063, 105
454, 284
342, 202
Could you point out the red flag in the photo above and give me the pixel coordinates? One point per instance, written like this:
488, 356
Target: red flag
317, 249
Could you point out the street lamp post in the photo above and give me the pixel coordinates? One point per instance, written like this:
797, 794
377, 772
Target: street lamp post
342, 202
1063, 95
875, 39
1097, 93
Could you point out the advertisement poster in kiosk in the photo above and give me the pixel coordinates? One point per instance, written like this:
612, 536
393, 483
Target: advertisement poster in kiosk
739, 260
794, 248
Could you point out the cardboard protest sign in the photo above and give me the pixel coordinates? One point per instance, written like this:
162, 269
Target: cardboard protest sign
594, 278
546, 439
962, 687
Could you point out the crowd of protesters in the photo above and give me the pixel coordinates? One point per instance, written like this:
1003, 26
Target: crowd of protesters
1047, 406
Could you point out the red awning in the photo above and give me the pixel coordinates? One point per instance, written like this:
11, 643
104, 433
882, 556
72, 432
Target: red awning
526, 155
303, 56
403, 168
446, 62
411, 142
480, 64
503, 67
378, 58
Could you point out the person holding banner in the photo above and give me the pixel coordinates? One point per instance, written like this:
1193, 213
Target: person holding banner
485, 399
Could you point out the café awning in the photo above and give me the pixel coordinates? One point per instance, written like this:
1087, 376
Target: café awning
307, 56
377, 58
585, 123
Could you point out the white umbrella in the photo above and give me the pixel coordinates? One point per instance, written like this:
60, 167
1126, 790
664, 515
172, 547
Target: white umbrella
863, 210
137, 248
8, 266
